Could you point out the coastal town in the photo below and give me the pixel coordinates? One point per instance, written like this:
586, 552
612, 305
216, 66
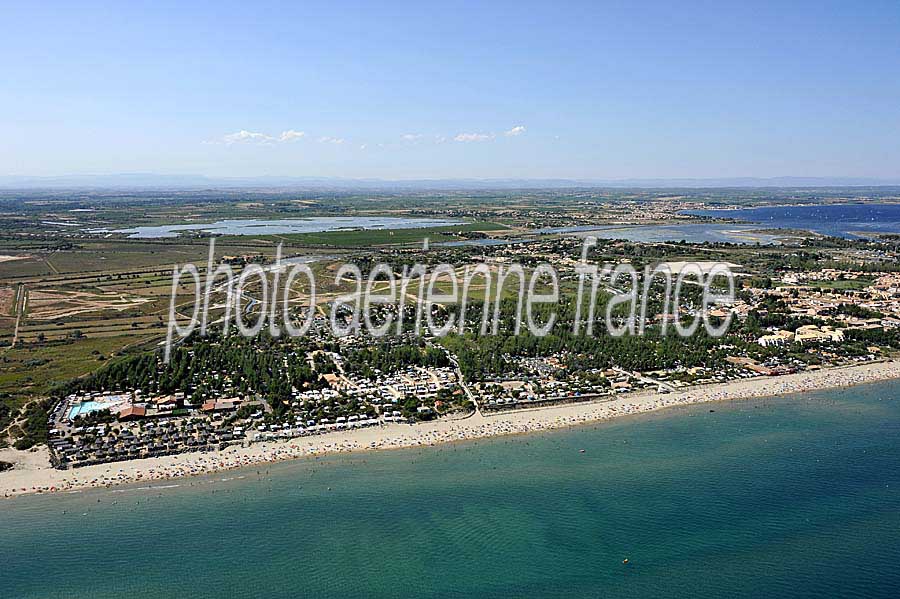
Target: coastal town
501, 300
818, 327
803, 305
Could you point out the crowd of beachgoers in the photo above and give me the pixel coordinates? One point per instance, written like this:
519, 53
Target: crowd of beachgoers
33, 474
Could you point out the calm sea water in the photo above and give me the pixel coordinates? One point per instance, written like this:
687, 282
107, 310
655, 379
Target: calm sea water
785, 497
840, 220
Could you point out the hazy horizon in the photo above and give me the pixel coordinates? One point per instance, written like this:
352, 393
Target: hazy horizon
150, 181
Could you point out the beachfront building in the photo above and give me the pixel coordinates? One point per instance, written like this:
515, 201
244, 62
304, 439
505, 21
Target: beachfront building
776, 339
815, 334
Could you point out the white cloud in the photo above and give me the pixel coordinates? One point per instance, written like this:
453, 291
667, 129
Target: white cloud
469, 137
291, 135
244, 137
255, 138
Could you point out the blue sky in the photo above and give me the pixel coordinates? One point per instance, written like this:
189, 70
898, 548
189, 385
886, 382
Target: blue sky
452, 89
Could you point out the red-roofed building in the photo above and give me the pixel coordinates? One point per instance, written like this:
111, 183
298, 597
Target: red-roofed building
132, 413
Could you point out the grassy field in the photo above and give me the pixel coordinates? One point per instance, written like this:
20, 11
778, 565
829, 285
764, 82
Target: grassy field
92, 257
384, 237
33, 266
30, 370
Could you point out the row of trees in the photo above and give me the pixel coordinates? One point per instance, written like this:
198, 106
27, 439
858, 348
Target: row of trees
390, 356
484, 357
213, 365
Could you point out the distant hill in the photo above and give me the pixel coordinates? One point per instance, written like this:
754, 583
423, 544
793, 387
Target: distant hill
159, 181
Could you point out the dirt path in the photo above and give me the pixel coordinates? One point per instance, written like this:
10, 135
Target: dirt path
21, 300
50, 264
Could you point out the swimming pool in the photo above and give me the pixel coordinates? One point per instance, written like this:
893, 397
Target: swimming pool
86, 407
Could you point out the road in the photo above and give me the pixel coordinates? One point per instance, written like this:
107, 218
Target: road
462, 382
21, 300
646, 379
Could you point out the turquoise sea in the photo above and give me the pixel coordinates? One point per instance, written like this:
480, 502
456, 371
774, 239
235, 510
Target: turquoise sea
784, 497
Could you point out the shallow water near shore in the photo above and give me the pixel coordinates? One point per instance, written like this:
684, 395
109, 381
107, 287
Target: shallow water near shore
791, 496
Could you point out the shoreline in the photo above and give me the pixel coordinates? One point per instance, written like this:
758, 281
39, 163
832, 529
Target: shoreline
32, 472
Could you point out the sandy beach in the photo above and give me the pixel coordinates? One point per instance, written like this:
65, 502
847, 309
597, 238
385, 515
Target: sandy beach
32, 472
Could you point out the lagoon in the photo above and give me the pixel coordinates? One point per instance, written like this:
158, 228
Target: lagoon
839, 220
851, 221
691, 233
282, 226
